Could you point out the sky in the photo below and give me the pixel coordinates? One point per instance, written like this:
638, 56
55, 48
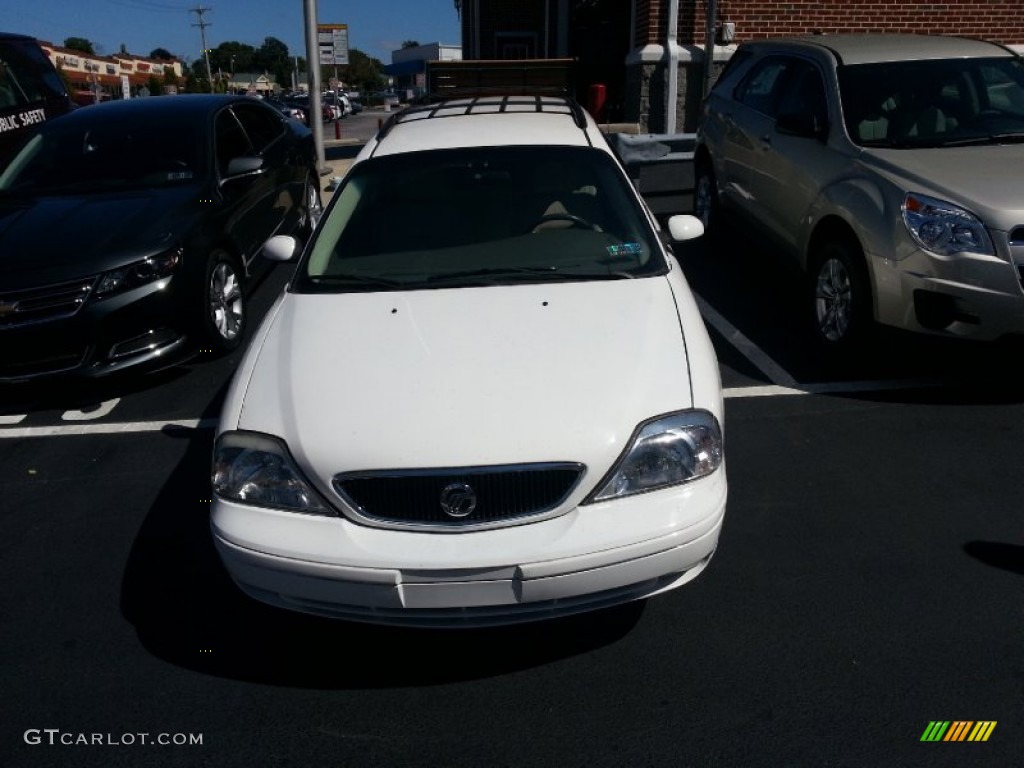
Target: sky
376, 27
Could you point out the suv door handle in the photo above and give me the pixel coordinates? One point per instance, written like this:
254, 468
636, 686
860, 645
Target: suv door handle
766, 142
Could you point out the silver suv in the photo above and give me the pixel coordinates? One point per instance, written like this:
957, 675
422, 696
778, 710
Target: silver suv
891, 167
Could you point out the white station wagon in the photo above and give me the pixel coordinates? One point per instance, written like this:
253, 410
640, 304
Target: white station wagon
486, 396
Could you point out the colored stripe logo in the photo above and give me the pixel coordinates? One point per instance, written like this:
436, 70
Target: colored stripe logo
958, 730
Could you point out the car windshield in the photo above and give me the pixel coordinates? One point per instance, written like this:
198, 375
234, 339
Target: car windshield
480, 216
105, 155
934, 103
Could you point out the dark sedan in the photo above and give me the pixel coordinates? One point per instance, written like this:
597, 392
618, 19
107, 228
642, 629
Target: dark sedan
128, 230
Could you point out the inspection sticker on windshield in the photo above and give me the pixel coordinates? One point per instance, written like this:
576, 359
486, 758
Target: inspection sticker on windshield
626, 249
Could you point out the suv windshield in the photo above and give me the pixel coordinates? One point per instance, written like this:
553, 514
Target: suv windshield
480, 216
934, 103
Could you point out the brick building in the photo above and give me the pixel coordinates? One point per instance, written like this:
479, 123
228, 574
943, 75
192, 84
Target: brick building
93, 77
654, 70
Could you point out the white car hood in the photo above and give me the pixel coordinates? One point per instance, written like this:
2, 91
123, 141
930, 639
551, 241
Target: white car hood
467, 376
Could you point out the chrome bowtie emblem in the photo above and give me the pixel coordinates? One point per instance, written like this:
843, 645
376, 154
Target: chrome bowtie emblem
458, 500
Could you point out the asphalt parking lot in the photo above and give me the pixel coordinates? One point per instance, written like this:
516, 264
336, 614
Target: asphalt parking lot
867, 584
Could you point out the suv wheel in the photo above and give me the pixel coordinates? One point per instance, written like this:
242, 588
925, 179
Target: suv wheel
840, 297
705, 197
223, 303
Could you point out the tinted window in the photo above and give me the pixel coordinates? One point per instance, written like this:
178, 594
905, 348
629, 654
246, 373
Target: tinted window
450, 217
931, 103
260, 123
26, 75
232, 141
100, 155
765, 86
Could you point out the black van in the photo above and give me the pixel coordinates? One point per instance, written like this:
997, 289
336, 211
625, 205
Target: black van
31, 92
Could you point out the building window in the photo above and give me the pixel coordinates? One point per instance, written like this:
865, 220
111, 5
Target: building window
515, 45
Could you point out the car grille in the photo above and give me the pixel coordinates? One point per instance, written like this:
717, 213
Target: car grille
40, 305
19, 361
475, 497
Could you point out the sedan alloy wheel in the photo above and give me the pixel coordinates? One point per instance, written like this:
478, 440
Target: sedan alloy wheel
225, 305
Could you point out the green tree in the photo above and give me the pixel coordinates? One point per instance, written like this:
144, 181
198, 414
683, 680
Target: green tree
362, 71
161, 54
232, 57
411, 44
80, 44
272, 57
155, 85
171, 82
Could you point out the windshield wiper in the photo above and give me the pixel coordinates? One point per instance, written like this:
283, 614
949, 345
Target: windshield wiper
546, 273
1015, 137
370, 281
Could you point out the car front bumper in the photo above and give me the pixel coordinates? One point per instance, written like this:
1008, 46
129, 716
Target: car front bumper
141, 328
965, 295
591, 557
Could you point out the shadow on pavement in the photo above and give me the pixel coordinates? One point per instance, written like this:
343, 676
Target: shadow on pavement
187, 611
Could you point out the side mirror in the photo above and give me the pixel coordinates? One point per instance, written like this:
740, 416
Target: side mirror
281, 248
244, 166
685, 227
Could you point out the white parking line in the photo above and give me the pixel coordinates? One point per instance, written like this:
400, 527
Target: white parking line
116, 428
758, 357
831, 388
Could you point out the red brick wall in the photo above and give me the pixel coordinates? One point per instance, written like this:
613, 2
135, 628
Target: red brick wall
998, 20
1001, 20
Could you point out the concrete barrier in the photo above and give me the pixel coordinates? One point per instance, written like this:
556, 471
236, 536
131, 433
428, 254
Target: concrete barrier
661, 167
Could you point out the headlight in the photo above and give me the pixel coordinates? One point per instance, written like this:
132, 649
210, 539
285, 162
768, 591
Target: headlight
944, 228
139, 273
257, 469
666, 451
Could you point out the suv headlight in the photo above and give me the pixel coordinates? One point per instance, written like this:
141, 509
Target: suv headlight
944, 228
665, 451
257, 469
138, 273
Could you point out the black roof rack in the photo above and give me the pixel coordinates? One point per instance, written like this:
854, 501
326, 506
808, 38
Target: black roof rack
456, 103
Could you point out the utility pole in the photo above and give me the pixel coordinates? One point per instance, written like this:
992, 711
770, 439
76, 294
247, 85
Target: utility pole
199, 11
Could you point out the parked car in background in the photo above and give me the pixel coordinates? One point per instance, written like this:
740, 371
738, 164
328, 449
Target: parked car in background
515, 410
888, 167
288, 110
130, 230
31, 92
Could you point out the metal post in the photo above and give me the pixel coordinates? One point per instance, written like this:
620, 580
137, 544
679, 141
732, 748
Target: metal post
709, 45
316, 115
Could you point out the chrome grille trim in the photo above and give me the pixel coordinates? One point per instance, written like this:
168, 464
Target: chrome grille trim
511, 494
43, 304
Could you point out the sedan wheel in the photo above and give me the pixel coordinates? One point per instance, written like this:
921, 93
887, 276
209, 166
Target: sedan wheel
840, 298
313, 208
225, 303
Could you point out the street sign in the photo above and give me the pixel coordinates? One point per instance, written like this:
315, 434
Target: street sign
332, 40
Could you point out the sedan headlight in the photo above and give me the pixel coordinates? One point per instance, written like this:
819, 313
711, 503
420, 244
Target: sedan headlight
138, 273
257, 469
666, 451
944, 228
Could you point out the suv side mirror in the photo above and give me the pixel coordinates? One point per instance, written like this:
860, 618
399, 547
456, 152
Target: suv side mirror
804, 125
